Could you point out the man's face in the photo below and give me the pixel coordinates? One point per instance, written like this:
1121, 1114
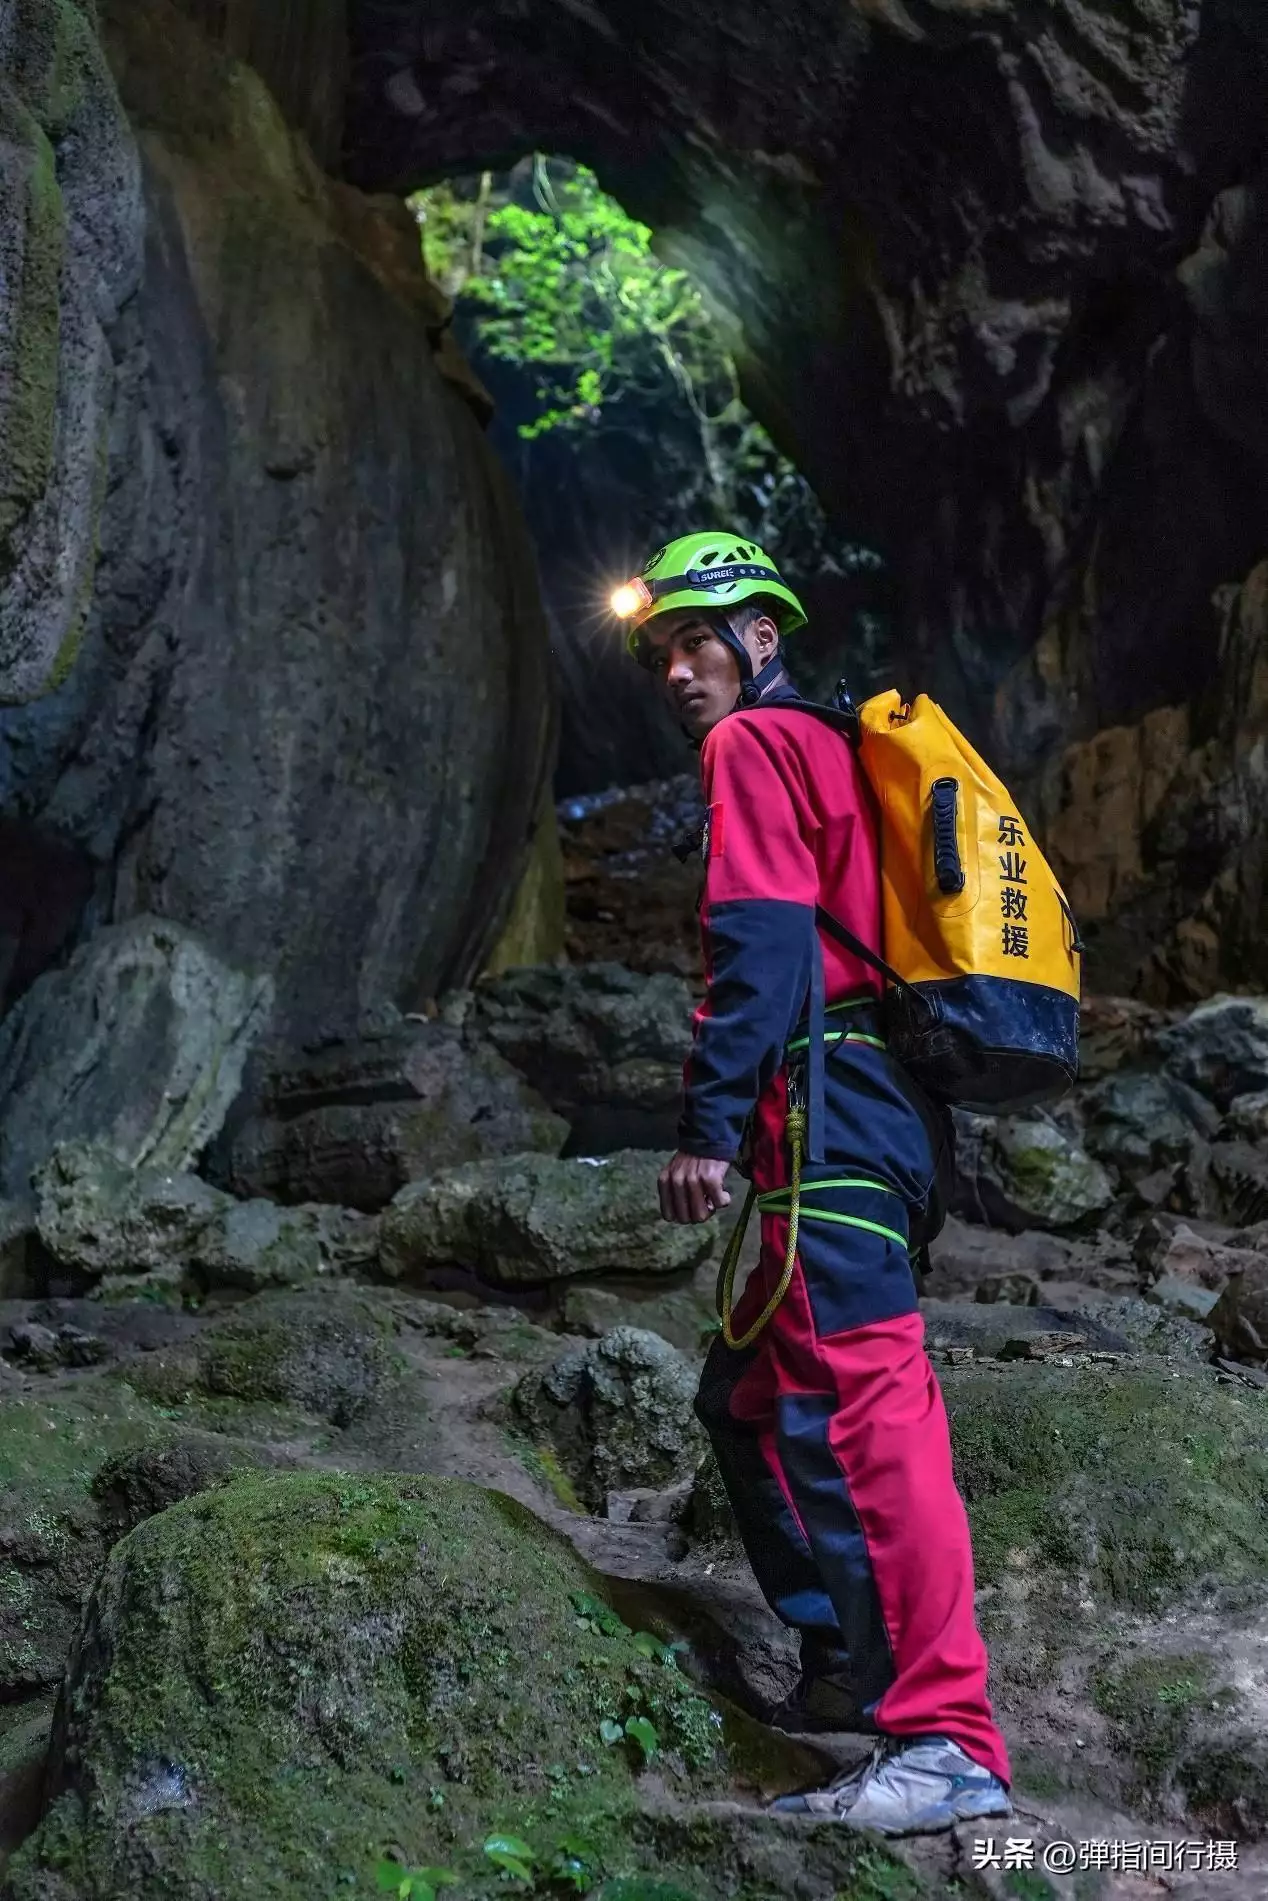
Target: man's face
696, 671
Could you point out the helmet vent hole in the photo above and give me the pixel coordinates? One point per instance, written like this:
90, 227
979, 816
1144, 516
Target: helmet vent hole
708, 557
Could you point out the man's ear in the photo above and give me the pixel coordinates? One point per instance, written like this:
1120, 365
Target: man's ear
767, 634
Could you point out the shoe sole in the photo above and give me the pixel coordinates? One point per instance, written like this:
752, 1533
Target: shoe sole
938, 1820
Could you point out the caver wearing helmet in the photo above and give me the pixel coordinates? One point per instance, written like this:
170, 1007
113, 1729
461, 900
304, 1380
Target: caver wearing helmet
703, 607
817, 1395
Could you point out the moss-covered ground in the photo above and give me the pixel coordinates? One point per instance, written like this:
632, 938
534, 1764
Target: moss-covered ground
290, 1677
1142, 1481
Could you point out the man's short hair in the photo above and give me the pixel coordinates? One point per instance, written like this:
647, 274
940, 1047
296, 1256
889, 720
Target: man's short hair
758, 607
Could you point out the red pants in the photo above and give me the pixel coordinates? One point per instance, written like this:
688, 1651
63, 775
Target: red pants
831, 1433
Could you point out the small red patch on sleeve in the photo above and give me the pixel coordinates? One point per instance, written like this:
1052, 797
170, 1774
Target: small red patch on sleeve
717, 832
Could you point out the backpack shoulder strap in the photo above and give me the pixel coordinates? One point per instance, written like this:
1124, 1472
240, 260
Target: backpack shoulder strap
843, 720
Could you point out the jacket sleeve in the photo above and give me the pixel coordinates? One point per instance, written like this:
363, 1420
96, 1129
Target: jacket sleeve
758, 927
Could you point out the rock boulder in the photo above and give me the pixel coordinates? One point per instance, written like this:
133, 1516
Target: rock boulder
352, 1122
617, 1413
531, 1219
139, 1043
591, 1035
113, 1224
1220, 1049
396, 1661
1029, 1172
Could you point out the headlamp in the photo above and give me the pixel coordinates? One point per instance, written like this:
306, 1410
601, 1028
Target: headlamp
630, 599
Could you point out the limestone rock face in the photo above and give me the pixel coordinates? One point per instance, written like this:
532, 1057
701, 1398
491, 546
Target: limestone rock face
312, 692
1001, 355
530, 1219
351, 1122
144, 1230
1156, 828
604, 1044
138, 1043
617, 1412
71, 241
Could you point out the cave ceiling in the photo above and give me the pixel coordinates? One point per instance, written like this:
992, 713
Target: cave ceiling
948, 239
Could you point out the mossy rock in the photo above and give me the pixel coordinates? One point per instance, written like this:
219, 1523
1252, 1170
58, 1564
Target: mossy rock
1036, 1175
50, 1540
1142, 1481
328, 1353
1151, 1702
1185, 1732
282, 1679
616, 1412
76, 1469
532, 1219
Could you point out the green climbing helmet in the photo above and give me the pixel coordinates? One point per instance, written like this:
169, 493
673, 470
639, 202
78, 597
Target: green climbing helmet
704, 570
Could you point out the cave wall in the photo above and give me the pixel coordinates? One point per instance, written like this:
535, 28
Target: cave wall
950, 244
994, 275
310, 715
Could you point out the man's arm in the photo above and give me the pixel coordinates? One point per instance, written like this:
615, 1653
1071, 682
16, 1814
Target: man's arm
758, 922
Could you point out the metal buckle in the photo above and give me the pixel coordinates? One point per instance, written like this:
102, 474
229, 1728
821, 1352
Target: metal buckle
797, 1086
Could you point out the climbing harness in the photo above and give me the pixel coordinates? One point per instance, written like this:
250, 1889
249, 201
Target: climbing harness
795, 1133
790, 1200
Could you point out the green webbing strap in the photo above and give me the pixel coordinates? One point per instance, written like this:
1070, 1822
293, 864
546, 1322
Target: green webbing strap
846, 1221
838, 1036
779, 1202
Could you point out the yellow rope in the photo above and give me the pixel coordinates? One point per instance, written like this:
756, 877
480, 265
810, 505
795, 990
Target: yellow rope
795, 1129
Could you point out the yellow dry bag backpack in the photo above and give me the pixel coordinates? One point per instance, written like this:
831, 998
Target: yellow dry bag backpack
980, 950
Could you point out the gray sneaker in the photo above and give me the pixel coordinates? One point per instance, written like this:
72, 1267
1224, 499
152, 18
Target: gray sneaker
918, 1788
831, 1803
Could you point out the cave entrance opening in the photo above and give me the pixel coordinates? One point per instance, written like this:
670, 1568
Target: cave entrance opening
618, 411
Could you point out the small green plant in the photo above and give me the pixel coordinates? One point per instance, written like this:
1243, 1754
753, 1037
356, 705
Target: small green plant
594, 1615
657, 1652
574, 1865
512, 1854
637, 1729
1027, 1886
412, 1884
878, 1877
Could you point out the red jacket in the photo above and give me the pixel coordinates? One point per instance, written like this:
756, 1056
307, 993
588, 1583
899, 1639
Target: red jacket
791, 823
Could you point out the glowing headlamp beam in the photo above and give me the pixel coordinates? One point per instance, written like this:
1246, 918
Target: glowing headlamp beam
628, 599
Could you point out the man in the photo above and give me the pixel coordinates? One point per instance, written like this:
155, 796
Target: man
828, 1426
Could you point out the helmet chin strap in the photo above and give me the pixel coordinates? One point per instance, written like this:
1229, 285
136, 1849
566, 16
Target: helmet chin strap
752, 685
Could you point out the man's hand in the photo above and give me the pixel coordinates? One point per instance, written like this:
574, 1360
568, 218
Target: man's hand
691, 1188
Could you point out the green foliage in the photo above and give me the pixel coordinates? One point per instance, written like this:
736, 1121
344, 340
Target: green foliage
553, 279
594, 1615
512, 1854
413, 1884
569, 284
639, 1730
